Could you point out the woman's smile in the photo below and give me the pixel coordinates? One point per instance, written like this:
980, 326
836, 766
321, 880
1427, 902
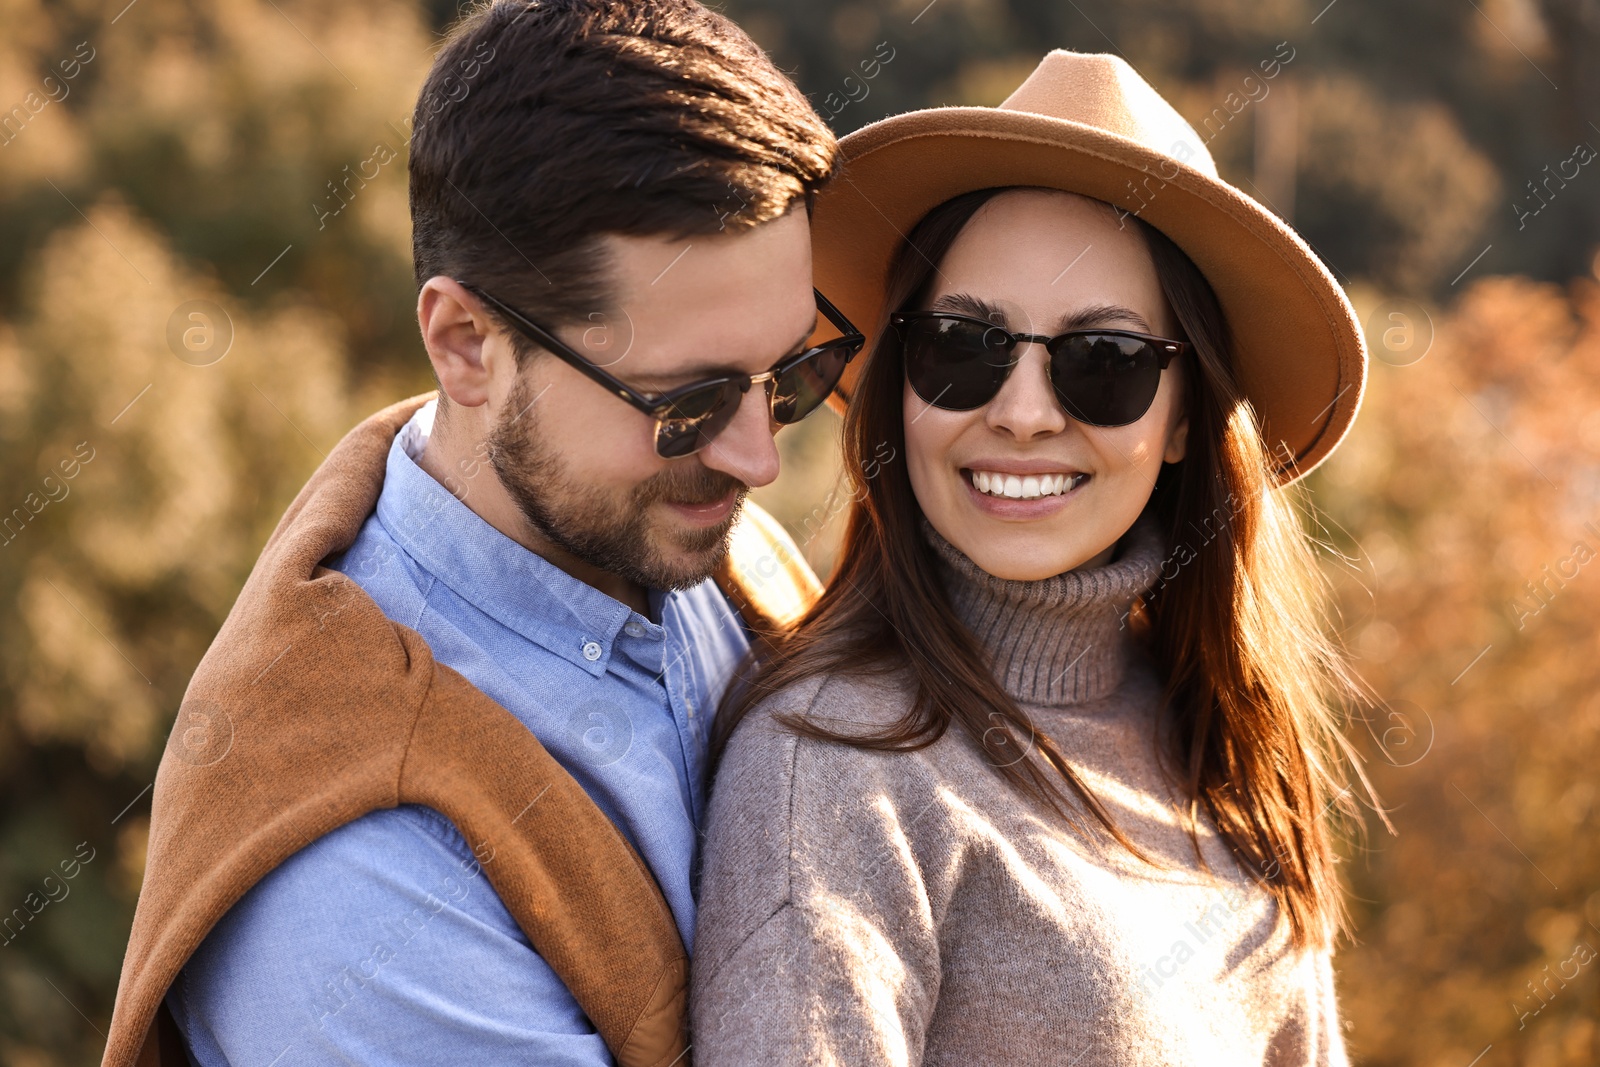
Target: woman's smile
1013, 491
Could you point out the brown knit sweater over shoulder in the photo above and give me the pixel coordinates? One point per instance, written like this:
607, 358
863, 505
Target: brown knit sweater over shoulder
322, 709
864, 908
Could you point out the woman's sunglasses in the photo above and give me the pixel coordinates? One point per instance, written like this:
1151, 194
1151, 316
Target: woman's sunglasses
1101, 377
688, 417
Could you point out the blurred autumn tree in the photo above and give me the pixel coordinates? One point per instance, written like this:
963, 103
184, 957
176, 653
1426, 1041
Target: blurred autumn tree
1469, 496
150, 452
1409, 130
197, 300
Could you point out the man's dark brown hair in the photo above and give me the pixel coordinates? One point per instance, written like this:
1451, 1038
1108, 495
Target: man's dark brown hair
545, 124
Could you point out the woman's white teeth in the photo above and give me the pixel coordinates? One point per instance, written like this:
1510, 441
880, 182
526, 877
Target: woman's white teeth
1028, 487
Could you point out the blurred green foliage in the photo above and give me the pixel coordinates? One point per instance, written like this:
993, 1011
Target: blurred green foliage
191, 156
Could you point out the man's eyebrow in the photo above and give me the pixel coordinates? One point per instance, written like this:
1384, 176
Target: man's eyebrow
712, 370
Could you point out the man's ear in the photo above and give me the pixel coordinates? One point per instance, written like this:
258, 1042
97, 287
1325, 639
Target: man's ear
455, 330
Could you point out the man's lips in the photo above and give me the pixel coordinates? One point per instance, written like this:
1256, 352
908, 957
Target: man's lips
706, 514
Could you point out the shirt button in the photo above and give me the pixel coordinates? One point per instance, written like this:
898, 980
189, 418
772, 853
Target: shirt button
633, 628
591, 651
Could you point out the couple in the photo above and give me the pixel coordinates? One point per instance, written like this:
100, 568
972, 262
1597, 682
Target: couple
1042, 776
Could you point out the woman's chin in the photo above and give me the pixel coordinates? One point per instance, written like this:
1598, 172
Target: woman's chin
1028, 556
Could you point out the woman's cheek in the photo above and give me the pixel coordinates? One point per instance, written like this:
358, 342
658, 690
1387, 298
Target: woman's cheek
927, 449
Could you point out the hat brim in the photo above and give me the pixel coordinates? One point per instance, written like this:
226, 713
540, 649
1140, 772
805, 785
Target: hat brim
1300, 354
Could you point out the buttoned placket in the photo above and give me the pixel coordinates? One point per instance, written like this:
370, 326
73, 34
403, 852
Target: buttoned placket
676, 674
594, 633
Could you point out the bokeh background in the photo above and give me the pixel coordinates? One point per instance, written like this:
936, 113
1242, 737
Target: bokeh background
246, 158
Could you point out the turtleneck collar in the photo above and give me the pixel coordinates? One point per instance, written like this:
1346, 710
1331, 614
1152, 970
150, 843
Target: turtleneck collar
1059, 640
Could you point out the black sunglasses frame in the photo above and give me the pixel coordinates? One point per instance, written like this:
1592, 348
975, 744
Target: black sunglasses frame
1165, 348
657, 405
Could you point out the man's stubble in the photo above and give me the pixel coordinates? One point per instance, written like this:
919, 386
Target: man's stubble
616, 535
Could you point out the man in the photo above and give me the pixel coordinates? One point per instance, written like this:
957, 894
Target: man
609, 202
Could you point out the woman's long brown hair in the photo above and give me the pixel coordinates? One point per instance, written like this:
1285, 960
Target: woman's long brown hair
1253, 686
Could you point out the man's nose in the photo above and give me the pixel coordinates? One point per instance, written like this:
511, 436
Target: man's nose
745, 448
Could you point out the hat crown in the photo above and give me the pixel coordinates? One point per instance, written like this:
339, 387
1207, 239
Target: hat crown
1103, 91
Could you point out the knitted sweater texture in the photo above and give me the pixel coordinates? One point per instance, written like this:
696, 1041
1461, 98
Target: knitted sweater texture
862, 908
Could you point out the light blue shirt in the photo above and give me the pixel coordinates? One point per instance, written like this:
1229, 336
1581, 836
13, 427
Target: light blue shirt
382, 942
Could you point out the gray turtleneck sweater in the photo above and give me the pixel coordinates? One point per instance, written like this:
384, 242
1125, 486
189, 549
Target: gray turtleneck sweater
860, 908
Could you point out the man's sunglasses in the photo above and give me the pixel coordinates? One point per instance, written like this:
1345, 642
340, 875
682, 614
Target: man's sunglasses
1101, 377
688, 417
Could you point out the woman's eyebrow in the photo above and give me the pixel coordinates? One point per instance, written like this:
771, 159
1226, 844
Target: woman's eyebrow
967, 304
1100, 315
1094, 315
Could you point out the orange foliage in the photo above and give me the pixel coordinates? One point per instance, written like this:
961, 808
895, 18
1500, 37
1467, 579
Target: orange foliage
1469, 496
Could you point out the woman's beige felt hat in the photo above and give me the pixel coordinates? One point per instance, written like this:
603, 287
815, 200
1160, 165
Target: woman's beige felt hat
1087, 123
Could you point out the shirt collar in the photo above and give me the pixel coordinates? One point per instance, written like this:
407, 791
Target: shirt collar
513, 585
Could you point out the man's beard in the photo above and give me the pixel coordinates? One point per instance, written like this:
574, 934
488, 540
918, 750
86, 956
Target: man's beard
606, 532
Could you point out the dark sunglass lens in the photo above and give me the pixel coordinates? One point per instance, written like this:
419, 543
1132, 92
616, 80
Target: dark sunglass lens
694, 419
801, 389
954, 364
1105, 379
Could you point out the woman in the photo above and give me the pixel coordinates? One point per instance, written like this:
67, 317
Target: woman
1044, 776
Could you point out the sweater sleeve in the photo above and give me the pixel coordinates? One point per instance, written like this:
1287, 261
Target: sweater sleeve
1331, 1048
815, 941
1310, 1035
